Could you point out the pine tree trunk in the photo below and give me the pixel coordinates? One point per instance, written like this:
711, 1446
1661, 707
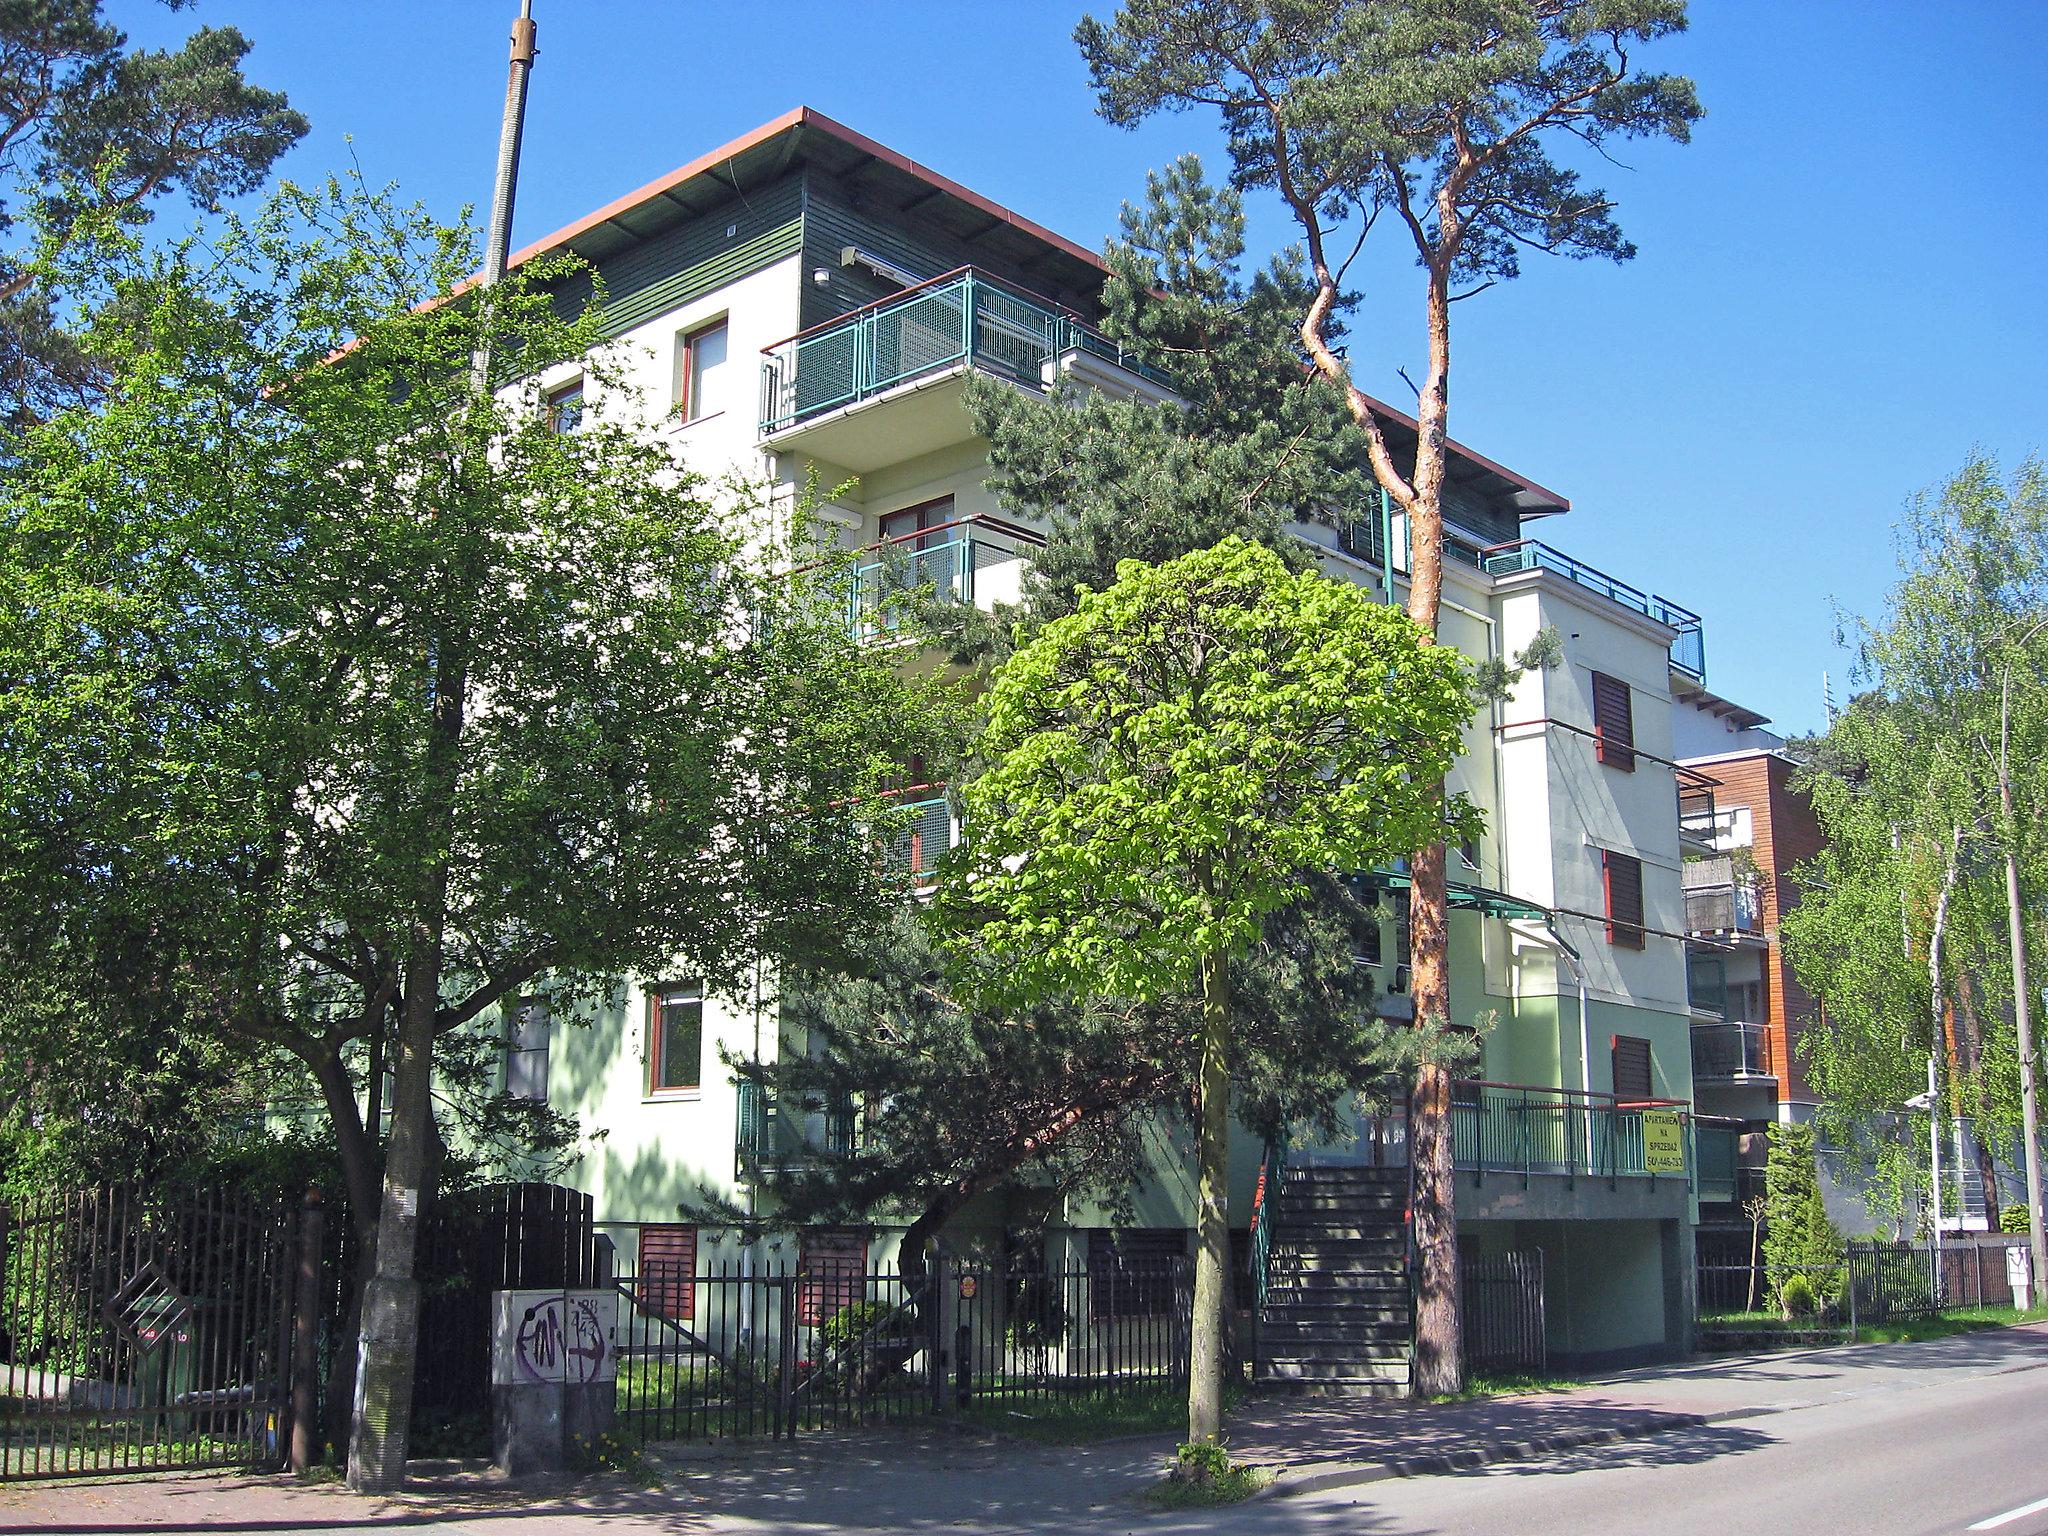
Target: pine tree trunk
1439, 1330
1212, 1218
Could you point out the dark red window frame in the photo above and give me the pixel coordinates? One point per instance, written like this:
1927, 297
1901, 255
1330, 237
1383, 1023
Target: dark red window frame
832, 1274
656, 1038
1629, 1062
686, 365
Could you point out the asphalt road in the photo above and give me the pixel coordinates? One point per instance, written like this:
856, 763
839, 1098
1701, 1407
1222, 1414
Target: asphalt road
1947, 1456
1941, 1438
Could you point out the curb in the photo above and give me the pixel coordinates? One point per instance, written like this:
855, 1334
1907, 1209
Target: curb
1357, 1474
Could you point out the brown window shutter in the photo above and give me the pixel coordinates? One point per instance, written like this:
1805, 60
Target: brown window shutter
832, 1269
668, 1268
1632, 1083
1624, 881
1614, 722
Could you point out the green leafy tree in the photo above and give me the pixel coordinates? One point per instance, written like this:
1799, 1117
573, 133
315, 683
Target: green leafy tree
93, 134
357, 704
1801, 1245
1165, 764
1918, 920
1442, 124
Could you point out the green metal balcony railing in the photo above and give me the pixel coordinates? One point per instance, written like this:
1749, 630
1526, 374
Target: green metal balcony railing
769, 1138
1509, 1128
945, 561
923, 839
1688, 650
964, 316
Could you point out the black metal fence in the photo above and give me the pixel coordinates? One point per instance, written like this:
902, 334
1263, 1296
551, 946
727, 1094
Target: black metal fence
716, 1350
1875, 1284
1503, 1312
142, 1329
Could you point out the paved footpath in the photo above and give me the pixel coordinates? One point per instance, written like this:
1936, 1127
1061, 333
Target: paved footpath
1330, 1453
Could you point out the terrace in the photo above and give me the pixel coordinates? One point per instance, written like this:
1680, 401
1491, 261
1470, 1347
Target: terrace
910, 355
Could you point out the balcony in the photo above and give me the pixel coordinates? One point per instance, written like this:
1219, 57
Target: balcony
1730, 1052
927, 833
1511, 1128
976, 560
916, 349
1718, 903
770, 1138
1688, 650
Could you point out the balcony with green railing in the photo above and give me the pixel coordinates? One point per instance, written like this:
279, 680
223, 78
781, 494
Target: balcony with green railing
977, 560
964, 319
772, 1136
1522, 1129
1688, 650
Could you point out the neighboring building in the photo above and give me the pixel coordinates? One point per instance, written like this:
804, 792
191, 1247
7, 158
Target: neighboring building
809, 303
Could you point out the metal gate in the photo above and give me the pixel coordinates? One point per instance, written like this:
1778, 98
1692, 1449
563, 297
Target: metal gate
142, 1329
1504, 1316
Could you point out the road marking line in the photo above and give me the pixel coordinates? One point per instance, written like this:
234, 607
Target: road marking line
2011, 1515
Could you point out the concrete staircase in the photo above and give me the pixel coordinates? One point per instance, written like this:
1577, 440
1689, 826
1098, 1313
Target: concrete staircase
1337, 1316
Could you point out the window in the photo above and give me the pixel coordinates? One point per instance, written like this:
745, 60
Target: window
1623, 876
832, 1270
1632, 1069
526, 1051
565, 407
668, 1268
918, 521
1614, 722
1134, 1272
701, 372
675, 1038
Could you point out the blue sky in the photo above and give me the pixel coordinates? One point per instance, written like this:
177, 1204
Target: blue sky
1841, 289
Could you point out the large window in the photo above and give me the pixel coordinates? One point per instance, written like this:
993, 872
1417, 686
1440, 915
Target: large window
701, 372
1614, 722
675, 1038
1623, 876
668, 1269
526, 1051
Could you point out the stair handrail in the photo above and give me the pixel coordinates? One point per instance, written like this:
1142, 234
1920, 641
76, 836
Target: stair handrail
1265, 1198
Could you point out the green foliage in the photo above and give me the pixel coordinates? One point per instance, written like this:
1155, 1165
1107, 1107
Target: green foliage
1801, 1246
1444, 115
2014, 1218
94, 133
326, 683
1168, 760
1797, 1296
1203, 1474
852, 1322
1901, 930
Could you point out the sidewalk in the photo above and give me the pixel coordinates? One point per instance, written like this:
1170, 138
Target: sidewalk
932, 1478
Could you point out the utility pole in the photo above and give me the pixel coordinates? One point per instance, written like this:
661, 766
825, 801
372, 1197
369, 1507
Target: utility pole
2022, 993
499, 249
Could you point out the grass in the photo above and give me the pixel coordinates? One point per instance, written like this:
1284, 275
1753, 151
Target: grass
1945, 1325
1204, 1476
1510, 1384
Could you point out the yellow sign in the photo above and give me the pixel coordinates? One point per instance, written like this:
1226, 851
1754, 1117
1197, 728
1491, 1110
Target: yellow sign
1663, 1141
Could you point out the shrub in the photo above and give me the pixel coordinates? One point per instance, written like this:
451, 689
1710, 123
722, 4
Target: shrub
2013, 1218
851, 1322
1797, 1298
1800, 1242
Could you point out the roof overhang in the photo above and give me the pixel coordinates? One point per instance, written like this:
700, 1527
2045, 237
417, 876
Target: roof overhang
1462, 898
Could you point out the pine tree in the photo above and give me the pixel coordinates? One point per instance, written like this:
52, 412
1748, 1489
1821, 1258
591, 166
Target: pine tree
1801, 1244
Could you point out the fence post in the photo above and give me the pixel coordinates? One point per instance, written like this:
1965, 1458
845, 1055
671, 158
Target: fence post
934, 1332
963, 1366
785, 1365
1851, 1258
306, 1329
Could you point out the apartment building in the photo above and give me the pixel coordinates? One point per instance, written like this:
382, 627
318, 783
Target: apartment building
805, 306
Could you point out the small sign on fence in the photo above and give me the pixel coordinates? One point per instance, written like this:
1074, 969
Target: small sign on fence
1663, 1141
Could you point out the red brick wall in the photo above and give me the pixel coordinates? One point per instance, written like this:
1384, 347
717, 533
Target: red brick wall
1783, 833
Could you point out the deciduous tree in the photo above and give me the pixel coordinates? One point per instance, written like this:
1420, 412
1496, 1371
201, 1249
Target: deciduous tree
1165, 764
